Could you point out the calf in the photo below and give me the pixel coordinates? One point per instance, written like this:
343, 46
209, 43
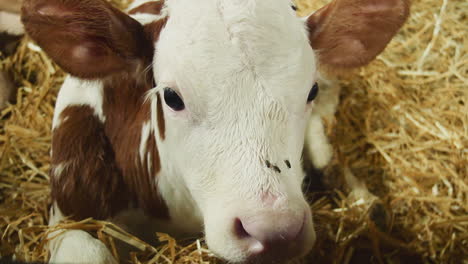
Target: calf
185, 116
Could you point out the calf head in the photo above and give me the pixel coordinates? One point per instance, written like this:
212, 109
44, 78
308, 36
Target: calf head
237, 82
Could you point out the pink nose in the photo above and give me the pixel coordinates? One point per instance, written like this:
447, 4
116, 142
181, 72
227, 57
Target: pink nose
272, 236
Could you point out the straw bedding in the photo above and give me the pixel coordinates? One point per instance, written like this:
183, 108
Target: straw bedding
402, 127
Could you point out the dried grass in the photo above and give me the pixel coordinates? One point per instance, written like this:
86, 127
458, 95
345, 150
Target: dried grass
402, 126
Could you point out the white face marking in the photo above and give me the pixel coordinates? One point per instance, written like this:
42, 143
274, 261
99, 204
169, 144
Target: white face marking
149, 162
244, 73
78, 92
145, 134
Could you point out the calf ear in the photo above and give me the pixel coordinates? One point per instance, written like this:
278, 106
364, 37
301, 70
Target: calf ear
351, 33
87, 38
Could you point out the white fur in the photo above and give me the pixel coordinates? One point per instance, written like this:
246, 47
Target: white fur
316, 141
327, 99
145, 133
76, 92
75, 246
317, 146
11, 23
149, 161
144, 18
58, 169
359, 192
182, 207
138, 3
244, 72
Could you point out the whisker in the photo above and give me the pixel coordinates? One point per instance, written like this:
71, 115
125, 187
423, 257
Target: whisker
145, 71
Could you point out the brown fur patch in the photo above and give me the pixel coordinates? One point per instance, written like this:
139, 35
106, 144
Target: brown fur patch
90, 183
126, 112
103, 171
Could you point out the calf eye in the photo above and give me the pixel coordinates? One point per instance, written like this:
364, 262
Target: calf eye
173, 100
313, 93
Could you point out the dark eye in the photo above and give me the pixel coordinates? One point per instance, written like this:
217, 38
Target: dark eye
173, 100
313, 93
294, 7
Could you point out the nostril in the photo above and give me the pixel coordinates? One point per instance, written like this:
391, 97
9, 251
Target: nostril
270, 229
271, 235
254, 246
239, 229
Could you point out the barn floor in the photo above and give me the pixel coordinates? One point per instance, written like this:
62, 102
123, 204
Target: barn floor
402, 127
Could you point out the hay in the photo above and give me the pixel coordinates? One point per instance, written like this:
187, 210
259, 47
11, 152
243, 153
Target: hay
402, 127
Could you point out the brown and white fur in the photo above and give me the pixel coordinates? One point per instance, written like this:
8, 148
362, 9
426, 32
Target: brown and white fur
229, 162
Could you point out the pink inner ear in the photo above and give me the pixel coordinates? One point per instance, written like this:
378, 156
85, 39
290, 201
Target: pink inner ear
353, 50
82, 53
54, 10
379, 6
87, 51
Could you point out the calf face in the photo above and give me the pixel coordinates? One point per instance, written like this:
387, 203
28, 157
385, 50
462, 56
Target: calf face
236, 83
